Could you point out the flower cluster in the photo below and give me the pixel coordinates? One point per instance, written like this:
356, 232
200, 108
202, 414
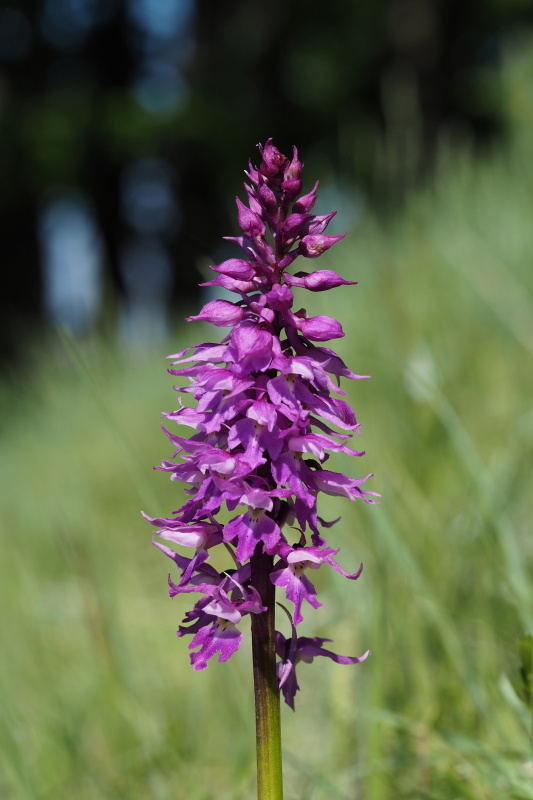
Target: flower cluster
265, 404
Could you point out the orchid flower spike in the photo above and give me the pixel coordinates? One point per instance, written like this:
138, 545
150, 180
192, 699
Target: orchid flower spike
267, 416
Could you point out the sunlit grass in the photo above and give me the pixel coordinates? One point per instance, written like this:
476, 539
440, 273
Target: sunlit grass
98, 699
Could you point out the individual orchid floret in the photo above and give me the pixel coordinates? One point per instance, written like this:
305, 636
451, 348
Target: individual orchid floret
292, 651
216, 615
221, 635
290, 574
201, 535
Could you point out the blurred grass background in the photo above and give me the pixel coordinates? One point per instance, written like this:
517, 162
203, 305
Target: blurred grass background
97, 696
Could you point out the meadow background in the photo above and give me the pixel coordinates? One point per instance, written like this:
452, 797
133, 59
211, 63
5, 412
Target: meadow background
97, 696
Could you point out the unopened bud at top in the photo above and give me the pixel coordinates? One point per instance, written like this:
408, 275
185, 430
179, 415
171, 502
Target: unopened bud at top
273, 160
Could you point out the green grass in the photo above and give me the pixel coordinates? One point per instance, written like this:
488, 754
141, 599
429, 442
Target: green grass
97, 696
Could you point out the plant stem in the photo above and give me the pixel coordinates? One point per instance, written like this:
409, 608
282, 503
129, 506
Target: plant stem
267, 712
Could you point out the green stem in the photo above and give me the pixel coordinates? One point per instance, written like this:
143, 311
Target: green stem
267, 713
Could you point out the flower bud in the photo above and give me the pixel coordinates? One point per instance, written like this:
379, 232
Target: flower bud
273, 160
253, 202
318, 281
292, 181
266, 195
219, 312
291, 188
321, 329
314, 245
292, 226
306, 203
236, 268
317, 224
250, 223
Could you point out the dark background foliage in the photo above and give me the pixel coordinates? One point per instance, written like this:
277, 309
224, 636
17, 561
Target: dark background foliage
141, 115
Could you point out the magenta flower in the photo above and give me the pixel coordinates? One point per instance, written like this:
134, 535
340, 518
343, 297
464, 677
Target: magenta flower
290, 573
292, 651
268, 414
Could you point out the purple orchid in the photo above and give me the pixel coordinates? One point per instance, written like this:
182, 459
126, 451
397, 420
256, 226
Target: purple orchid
268, 413
290, 573
292, 651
